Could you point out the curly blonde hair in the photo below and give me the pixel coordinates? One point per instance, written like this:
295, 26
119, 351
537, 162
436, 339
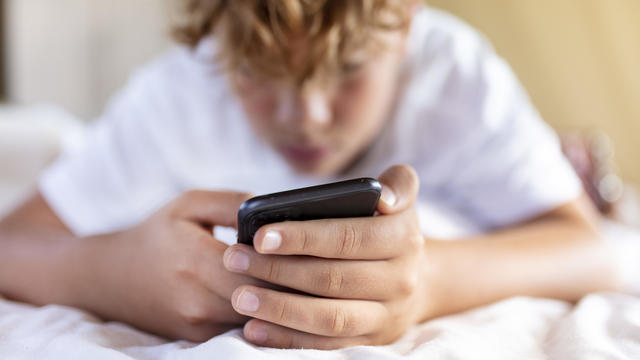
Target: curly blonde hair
260, 33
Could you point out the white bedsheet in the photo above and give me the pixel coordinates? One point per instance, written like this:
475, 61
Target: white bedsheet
601, 326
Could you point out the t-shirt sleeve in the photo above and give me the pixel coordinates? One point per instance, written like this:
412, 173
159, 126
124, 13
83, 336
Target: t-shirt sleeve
117, 175
497, 160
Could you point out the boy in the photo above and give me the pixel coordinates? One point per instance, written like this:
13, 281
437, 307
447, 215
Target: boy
273, 95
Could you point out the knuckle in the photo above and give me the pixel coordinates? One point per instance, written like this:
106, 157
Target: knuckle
305, 242
337, 322
407, 284
283, 312
185, 270
188, 264
193, 313
273, 270
331, 280
350, 240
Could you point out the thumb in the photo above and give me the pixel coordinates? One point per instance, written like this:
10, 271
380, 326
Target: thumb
210, 207
399, 189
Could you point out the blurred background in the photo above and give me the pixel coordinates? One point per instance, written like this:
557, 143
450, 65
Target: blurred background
579, 60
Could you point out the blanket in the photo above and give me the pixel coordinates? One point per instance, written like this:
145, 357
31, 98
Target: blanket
599, 326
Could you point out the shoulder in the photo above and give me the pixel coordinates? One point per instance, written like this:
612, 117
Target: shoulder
458, 97
437, 34
454, 79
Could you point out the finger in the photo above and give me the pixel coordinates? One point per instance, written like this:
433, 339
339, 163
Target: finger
263, 333
320, 316
344, 279
198, 333
400, 185
225, 314
367, 238
210, 308
197, 305
198, 317
210, 207
209, 268
209, 316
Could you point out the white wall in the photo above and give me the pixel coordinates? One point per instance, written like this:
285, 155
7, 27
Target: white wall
579, 60
76, 53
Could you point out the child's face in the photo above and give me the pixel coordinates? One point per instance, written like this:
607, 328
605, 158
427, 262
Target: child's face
325, 125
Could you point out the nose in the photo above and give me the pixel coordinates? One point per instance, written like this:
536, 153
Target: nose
317, 108
307, 107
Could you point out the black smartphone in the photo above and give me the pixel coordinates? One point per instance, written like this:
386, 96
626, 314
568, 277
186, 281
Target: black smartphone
344, 199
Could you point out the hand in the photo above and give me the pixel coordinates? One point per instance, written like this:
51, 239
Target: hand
166, 274
360, 280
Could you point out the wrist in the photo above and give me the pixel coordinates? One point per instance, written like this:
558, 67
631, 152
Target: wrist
91, 274
34, 265
433, 277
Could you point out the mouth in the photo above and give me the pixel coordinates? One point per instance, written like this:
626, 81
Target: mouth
304, 154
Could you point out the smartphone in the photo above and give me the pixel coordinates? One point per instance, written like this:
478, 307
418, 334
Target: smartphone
344, 199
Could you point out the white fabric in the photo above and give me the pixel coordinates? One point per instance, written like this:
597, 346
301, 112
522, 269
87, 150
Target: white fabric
462, 120
601, 326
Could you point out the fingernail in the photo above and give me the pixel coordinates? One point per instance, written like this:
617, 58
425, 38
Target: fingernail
258, 335
271, 241
247, 301
237, 261
388, 196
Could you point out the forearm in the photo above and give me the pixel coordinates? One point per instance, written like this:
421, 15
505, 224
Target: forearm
552, 258
42, 267
41, 261
36, 264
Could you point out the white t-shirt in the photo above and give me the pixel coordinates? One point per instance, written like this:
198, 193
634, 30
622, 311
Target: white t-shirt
484, 156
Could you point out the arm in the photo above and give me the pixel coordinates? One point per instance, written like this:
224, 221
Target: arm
557, 255
165, 275
35, 247
377, 276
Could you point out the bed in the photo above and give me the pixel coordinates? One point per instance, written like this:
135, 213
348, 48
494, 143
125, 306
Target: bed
600, 326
